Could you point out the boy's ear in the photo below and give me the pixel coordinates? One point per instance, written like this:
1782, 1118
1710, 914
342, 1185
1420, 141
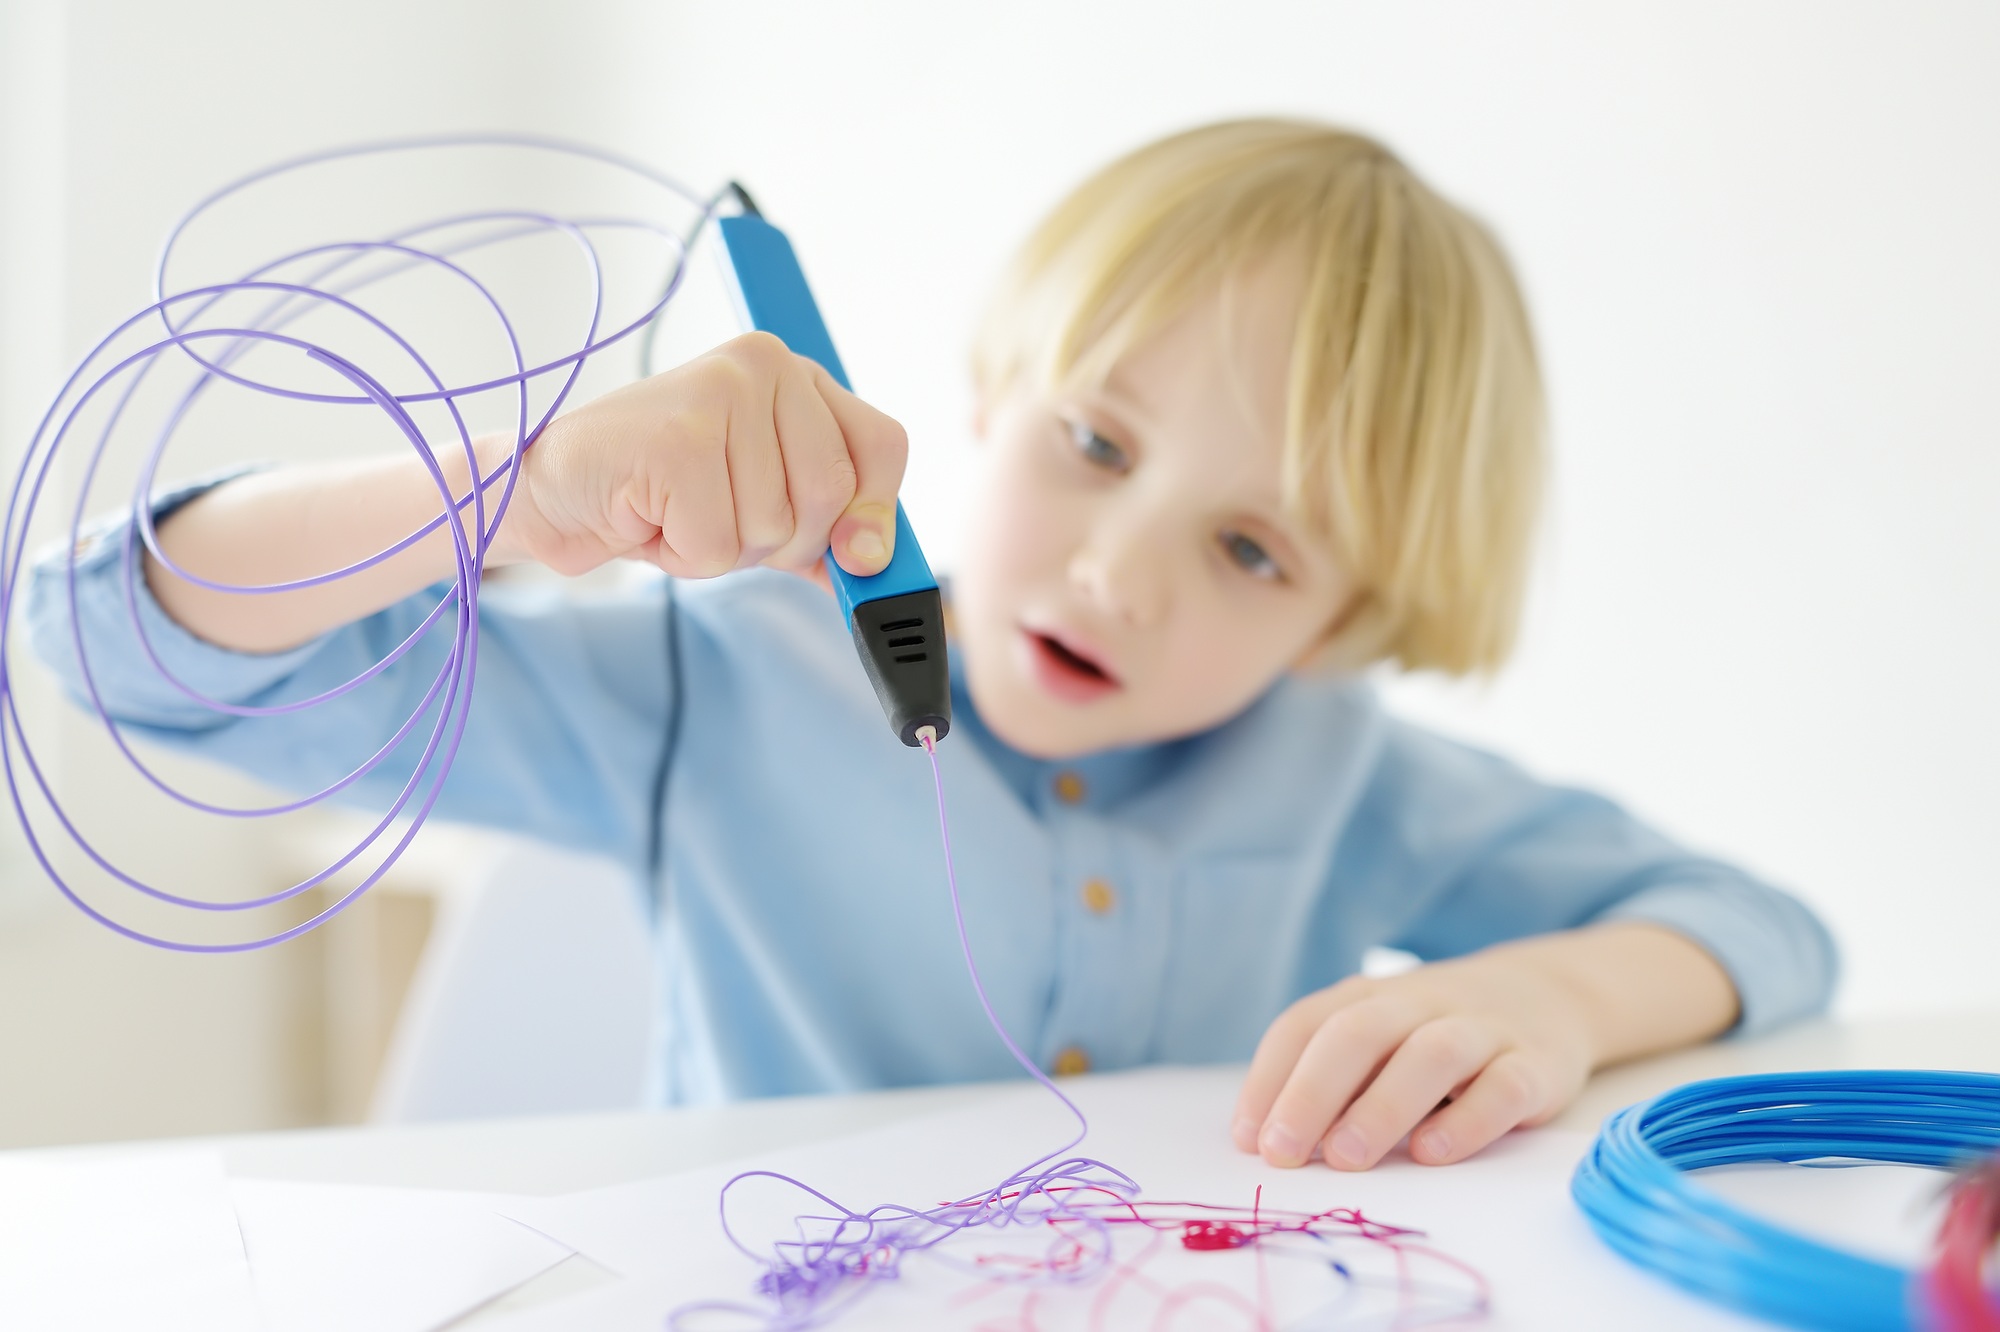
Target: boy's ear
979, 418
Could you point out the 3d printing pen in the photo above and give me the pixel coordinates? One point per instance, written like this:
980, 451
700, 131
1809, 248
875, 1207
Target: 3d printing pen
897, 616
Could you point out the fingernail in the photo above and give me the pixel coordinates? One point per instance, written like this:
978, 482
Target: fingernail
866, 544
1346, 1147
1244, 1133
1435, 1144
1278, 1144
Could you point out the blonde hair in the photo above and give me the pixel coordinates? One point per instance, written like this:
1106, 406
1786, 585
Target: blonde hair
1414, 413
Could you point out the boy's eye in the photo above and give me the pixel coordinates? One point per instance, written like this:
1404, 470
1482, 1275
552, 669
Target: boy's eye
1250, 557
1097, 450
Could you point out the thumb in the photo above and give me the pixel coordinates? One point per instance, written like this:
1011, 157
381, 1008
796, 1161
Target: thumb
864, 536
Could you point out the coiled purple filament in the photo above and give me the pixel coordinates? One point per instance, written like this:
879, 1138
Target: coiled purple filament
335, 273
810, 1280
837, 1255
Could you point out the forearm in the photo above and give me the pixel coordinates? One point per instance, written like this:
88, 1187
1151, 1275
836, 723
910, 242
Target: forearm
1642, 988
296, 522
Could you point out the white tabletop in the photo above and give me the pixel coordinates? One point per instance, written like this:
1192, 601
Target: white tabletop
558, 1154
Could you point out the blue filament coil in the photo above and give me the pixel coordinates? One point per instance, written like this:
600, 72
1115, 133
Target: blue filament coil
1632, 1184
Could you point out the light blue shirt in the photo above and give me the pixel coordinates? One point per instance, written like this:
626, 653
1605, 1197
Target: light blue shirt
1157, 904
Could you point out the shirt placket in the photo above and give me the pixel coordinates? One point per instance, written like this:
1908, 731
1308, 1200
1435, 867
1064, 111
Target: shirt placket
1110, 937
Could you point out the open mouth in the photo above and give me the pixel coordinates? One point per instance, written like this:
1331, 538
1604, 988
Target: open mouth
1065, 672
1072, 660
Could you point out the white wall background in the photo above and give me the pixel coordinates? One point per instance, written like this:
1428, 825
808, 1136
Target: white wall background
1758, 240
114, 116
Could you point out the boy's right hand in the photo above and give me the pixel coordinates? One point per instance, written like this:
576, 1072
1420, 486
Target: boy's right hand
747, 455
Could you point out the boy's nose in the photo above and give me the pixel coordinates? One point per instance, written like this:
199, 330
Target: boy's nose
1125, 574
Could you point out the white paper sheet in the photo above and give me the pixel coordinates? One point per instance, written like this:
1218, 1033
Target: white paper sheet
336, 1257
132, 1240
1507, 1213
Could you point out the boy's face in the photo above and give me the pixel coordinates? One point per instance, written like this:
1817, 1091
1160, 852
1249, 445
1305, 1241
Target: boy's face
1131, 573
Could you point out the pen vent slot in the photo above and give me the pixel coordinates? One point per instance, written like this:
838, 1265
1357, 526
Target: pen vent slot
902, 641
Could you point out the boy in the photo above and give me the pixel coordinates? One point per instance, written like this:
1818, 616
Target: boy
1259, 409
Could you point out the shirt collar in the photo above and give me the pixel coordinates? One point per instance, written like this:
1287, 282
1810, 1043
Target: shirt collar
1088, 781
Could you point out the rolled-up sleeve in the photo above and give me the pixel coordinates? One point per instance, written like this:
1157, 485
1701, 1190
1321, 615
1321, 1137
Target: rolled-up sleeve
1780, 957
81, 612
1487, 853
563, 734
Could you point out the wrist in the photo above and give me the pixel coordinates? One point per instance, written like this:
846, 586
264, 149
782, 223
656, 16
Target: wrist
1637, 988
512, 542
1566, 964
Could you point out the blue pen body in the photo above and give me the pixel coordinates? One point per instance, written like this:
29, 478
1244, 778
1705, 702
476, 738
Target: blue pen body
896, 616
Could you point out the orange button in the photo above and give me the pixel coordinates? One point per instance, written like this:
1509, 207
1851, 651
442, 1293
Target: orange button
1070, 1062
1098, 896
1069, 788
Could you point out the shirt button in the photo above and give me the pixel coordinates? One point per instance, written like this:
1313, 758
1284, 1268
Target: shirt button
1070, 1061
1069, 788
1098, 897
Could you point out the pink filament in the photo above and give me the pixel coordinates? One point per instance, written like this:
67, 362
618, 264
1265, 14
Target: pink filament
1960, 1299
809, 1280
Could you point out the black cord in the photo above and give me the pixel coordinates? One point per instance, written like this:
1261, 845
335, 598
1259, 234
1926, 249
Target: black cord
656, 847
743, 199
732, 191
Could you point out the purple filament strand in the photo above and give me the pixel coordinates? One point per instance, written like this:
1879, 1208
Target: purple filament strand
839, 1254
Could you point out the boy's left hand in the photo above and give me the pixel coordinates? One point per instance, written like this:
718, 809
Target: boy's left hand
1347, 1071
